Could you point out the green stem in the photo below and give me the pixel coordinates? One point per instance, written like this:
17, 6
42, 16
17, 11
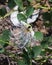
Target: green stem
8, 14
45, 7
30, 62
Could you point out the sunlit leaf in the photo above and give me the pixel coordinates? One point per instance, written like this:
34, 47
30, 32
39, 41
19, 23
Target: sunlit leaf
6, 34
37, 50
21, 17
39, 35
4, 38
19, 3
29, 11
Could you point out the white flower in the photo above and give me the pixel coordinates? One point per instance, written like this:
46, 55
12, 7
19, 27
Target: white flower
16, 22
34, 16
14, 19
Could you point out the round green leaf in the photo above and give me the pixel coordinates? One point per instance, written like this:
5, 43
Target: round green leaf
37, 50
39, 35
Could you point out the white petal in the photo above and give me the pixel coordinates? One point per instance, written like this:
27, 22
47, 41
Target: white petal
34, 16
29, 20
32, 33
14, 18
15, 8
36, 12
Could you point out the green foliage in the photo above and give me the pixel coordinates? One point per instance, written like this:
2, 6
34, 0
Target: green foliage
47, 16
2, 50
29, 53
50, 0
46, 42
21, 17
4, 38
21, 62
29, 11
39, 35
5, 35
26, 57
30, 0
11, 3
19, 3
37, 50
3, 12
38, 0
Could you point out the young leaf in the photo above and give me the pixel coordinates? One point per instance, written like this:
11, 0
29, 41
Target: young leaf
5, 35
21, 17
39, 35
19, 3
37, 50
29, 11
4, 38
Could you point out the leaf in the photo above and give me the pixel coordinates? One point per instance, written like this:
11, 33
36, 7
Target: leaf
44, 44
50, 39
29, 11
38, 1
43, 53
4, 38
26, 57
47, 41
5, 35
30, 0
30, 52
21, 17
39, 35
21, 62
3, 12
2, 50
19, 3
37, 50
47, 16
11, 3
50, 1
